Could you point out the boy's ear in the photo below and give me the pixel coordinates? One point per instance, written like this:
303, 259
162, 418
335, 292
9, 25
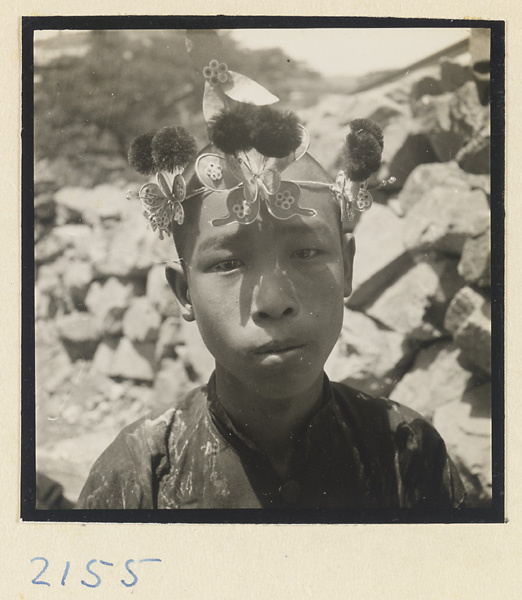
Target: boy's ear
348, 243
178, 282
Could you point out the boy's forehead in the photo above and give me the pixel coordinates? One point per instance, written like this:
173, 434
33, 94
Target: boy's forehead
203, 208
213, 206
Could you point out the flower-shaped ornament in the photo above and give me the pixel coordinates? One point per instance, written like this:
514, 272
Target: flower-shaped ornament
216, 73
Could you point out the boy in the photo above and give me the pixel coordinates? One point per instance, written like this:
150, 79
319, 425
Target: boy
266, 285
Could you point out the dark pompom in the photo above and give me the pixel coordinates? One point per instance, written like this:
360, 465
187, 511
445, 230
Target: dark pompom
230, 131
172, 147
275, 133
368, 125
363, 149
140, 154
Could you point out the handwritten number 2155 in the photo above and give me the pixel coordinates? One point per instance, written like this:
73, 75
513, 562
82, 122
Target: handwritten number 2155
89, 568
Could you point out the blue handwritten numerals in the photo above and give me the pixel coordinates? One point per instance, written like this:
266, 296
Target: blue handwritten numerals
37, 580
95, 570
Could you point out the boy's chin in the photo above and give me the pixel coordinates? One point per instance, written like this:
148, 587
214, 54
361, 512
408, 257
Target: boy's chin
278, 384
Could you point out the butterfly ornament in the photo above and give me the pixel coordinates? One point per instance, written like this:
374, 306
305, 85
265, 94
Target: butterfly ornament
162, 202
166, 153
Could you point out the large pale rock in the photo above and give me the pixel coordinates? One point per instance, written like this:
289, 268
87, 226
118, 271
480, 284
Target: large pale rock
80, 167
160, 294
44, 180
415, 304
134, 360
110, 201
85, 391
49, 277
427, 85
435, 379
465, 426
74, 206
44, 208
40, 230
451, 120
368, 356
53, 364
87, 401
465, 303
327, 122
474, 339
453, 75
141, 321
64, 283
52, 297
475, 156
42, 304
123, 403
118, 252
77, 278
78, 238
380, 254
90, 205
475, 262
158, 251
461, 307
169, 337
440, 221
395, 134
104, 355
115, 293
172, 383
47, 249
446, 175
80, 333
68, 459
195, 356
129, 248
112, 324
468, 318
414, 151
137, 401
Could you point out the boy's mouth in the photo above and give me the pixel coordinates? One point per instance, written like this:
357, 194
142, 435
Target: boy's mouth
280, 348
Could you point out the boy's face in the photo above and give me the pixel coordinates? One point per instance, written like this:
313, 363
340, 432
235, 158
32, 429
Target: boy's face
267, 297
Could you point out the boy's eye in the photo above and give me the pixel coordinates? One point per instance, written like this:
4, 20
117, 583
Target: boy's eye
305, 253
227, 265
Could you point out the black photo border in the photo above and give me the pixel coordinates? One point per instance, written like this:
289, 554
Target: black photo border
28, 513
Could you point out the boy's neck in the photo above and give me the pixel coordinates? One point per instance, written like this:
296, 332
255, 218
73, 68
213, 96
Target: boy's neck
273, 425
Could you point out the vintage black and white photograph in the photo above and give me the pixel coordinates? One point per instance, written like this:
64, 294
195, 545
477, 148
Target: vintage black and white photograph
263, 271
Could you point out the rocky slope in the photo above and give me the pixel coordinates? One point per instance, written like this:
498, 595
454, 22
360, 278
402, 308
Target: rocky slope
418, 324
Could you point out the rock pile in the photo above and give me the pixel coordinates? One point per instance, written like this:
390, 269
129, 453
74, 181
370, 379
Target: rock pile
418, 325
110, 343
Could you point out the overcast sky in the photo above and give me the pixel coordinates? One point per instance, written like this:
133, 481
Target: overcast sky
347, 51
353, 51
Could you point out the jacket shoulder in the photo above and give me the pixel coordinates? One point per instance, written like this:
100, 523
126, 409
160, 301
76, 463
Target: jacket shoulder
124, 476
408, 444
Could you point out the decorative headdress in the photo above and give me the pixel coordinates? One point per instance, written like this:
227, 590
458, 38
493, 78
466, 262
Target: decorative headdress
256, 145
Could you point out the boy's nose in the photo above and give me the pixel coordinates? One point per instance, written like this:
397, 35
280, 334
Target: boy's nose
274, 296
